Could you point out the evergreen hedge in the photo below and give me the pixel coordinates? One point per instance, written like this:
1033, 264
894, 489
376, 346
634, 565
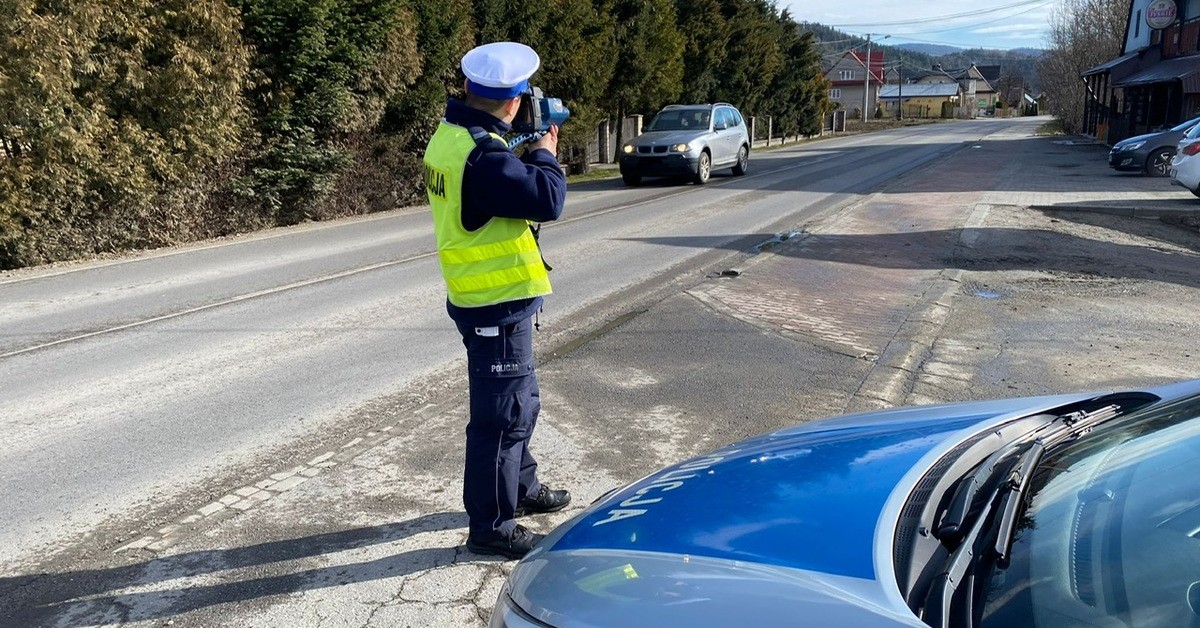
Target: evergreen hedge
130, 124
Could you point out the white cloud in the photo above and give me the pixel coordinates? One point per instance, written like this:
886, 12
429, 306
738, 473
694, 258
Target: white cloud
1010, 28
1036, 36
1005, 28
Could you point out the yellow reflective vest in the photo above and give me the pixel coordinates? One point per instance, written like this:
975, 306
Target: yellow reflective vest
496, 263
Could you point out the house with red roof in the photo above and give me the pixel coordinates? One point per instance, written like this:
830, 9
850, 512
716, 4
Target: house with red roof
847, 77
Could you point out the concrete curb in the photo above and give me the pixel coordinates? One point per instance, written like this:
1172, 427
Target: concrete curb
900, 362
1126, 211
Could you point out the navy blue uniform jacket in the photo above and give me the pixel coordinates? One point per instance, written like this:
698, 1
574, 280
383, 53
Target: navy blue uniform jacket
498, 183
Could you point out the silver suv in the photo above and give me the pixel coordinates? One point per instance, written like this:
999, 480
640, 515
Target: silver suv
688, 140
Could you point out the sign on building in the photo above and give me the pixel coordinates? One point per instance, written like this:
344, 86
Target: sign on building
1160, 14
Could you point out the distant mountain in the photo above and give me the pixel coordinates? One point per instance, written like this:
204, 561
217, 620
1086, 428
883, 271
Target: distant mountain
935, 50
923, 56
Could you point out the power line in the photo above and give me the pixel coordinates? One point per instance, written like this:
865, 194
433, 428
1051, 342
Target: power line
939, 18
843, 52
965, 47
1045, 3
861, 39
837, 41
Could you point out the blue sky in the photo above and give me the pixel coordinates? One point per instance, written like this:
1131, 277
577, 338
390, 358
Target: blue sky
1013, 23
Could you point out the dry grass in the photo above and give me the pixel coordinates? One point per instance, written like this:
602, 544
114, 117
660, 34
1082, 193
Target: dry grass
1053, 127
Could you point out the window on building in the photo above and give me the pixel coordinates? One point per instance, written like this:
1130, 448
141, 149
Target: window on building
845, 75
835, 94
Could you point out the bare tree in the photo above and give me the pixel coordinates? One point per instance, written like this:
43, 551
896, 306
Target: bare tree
1083, 34
1011, 87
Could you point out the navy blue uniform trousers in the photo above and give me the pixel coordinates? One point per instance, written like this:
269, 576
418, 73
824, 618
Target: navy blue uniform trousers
505, 402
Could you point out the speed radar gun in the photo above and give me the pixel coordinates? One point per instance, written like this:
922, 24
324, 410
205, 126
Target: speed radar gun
535, 116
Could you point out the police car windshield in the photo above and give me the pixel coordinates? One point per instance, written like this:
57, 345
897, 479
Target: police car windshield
680, 120
1110, 534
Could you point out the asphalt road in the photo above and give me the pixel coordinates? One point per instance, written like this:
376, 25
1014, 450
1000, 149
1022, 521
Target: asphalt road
129, 386
941, 285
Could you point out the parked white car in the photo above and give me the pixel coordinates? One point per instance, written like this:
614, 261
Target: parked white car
1185, 166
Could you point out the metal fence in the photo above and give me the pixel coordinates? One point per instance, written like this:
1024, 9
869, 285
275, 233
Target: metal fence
602, 149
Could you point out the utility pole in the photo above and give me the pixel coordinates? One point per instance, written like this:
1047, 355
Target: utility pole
867, 80
900, 93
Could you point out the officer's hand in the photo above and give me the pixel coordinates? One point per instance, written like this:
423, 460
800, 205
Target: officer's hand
548, 141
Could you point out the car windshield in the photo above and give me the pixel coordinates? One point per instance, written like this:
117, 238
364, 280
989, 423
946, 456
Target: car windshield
680, 120
1111, 536
1186, 125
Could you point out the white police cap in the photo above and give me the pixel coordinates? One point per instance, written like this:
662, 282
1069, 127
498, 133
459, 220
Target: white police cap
500, 70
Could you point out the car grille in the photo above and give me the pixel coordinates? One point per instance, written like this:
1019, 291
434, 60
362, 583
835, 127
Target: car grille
646, 150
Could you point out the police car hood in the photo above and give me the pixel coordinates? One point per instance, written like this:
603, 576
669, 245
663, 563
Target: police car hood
798, 516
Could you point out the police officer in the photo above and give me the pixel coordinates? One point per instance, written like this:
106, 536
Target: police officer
484, 200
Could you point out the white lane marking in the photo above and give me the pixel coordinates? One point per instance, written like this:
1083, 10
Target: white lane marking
233, 240
229, 301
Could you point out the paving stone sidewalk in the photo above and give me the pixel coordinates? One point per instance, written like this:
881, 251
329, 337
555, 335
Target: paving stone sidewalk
1073, 174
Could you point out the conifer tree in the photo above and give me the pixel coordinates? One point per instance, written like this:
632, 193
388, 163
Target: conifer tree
706, 40
105, 106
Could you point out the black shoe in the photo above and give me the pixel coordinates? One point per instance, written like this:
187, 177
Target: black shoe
516, 545
547, 500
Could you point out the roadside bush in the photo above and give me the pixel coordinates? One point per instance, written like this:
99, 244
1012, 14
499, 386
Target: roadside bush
382, 175
106, 108
324, 70
129, 124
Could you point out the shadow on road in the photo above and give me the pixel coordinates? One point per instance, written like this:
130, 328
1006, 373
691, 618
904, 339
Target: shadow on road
1166, 230
1044, 164
991, 249
104, 595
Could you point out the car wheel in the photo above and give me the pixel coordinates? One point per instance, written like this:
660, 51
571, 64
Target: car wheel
631, 179
1159, 162
703, 169
743, 161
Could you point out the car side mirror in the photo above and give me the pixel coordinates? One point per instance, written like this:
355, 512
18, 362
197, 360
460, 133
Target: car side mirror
720, 126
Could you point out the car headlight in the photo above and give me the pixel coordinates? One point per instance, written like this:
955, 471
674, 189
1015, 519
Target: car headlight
627, 149
1133, 146
681, 148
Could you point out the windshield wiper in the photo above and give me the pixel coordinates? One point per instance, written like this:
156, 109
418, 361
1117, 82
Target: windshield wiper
952, 525
1017, 485
940, 610
1074, 425
1000, 512
1077, 423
